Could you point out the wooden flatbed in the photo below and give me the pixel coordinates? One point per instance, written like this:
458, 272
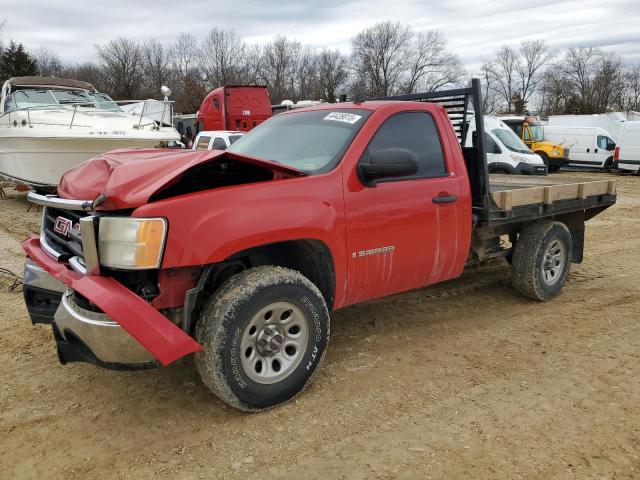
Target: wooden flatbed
510, 191
517, 198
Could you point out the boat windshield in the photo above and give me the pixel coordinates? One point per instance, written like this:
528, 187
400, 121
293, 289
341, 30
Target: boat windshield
510, 140
43, 98
85, 99
29, 98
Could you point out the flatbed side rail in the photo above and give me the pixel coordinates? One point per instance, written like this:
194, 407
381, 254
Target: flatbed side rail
456, 103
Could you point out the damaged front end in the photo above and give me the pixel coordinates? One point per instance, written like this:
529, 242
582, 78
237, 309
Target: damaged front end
101, 312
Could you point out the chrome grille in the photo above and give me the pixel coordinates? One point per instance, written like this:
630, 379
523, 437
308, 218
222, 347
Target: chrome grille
66, 245
566, 153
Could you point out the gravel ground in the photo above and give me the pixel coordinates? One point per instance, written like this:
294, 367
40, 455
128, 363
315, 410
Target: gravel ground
463, 380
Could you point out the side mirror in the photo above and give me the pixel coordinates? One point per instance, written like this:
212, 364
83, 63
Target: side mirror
388, 163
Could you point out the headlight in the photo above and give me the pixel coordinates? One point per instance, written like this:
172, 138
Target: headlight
556, 152
131, 243
516, 158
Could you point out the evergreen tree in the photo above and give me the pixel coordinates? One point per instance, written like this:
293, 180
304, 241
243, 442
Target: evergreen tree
16, 62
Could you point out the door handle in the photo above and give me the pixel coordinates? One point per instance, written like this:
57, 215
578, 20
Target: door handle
444, 199
588, 150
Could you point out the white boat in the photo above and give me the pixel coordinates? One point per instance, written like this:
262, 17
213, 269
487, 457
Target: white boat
49, 125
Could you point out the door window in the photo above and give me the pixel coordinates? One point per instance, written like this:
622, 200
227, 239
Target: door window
203, 143
527, 134
490, 145
605, 143
219, 144
417, 132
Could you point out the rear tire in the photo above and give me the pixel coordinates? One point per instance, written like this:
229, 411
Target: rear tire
264, 333
541, 259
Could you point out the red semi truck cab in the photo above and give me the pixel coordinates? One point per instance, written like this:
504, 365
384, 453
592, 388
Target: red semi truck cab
239, 256
234, 108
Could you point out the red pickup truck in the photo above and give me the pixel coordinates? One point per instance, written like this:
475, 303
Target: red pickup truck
239, 256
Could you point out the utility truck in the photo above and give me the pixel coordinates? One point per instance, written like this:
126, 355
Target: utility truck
239, 256
553, 155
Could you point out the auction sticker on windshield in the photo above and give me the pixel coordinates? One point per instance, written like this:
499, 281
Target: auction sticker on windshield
343, 117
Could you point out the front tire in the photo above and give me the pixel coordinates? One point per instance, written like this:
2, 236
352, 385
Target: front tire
545, 159
264, 333
541, 259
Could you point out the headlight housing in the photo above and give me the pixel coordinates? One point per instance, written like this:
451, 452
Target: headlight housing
517, 158
131, 243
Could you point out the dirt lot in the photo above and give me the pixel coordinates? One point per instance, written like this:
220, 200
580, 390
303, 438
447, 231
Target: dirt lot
464, 380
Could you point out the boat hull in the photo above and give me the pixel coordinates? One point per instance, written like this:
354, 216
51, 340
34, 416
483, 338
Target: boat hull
43, 161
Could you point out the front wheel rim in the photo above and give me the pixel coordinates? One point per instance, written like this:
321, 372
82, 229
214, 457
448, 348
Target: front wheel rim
553, 263
274, 342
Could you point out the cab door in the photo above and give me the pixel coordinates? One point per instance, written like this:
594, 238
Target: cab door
581, 151
406, 232
604, 150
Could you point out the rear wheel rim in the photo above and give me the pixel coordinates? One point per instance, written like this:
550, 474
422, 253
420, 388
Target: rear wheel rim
553, 263
274, 342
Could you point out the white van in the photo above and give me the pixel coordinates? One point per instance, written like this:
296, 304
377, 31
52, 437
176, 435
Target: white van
506, 153
627, 153
588, 146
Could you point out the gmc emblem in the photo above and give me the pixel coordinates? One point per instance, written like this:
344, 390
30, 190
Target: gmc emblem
62, 226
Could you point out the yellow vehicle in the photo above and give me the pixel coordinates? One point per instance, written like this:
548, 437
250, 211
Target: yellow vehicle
531, 132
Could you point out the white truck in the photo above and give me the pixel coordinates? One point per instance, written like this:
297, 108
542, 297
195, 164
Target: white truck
588, 146
506, 153
612, 122
216, 139
627, 152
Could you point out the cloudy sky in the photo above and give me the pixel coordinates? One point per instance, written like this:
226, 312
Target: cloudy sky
472, 28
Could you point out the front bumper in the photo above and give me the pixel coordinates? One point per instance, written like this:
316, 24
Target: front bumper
86, 336
529, 169
155, 332
41, 292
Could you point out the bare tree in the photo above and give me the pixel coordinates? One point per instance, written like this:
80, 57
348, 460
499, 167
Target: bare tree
185, 64
579, 66
156, 67
490, 100
502, 70
379, 57
307, 75
534, 56
632, 88
278, 66
87, 72
48, 62
121, 63
555, 92
223, 58
332, 73
429, 65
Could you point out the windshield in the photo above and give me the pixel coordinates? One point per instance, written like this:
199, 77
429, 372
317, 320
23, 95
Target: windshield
29, 98
39, 98
510, 140
536, 131
85, 99
312, 141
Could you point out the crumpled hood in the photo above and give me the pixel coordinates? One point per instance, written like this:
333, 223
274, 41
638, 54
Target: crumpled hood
129, 177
